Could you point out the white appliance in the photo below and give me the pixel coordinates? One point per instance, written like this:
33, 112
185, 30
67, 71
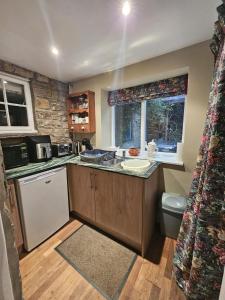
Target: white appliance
43, 204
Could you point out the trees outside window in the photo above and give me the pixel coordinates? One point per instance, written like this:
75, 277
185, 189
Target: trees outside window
163, 119
164, 122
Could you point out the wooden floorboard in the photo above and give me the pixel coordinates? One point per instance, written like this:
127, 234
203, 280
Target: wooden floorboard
46, 275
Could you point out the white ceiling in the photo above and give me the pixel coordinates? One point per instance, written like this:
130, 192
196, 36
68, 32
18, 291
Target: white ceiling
94, 37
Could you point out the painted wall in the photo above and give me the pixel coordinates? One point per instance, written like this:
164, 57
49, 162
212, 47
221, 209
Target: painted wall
197, 60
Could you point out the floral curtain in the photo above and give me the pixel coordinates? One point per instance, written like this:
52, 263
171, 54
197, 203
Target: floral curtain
163, 88
200, 250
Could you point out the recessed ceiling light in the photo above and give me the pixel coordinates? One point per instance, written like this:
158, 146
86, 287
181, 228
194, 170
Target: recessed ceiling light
55, 51
5, 81
126, 8
86, 63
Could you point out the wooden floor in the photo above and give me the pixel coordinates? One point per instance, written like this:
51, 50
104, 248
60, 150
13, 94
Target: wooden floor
46, 275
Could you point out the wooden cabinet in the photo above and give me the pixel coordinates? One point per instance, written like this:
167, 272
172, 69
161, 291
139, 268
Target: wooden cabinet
81, 190
121, 205
127, 205
103, 198
118, 205
15, 217
81, 112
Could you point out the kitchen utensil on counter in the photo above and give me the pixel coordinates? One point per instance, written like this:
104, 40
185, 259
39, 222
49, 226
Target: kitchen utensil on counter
15, 155
152, 148
77, 147
134, 151
39, 148
86, 142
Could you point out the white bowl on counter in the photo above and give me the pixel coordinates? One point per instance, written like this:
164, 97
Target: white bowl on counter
136, 165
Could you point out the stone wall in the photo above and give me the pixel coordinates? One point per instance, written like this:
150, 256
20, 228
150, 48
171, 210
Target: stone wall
49, 103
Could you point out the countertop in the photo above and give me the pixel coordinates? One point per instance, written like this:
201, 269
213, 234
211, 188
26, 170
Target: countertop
33, 168
115, 169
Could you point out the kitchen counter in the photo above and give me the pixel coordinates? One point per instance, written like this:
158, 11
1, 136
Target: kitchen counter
121, 203
116, 169
33, 168
122, 206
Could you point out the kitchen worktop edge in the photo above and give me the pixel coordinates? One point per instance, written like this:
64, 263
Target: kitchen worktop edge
34, 168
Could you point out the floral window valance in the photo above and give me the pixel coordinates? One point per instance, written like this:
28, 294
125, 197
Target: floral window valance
163, 88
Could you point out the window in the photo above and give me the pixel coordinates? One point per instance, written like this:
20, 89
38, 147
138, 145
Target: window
128, 125
159, 119
164, 122
16, 114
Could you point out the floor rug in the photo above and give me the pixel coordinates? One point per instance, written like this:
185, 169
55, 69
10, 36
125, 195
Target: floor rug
103, 262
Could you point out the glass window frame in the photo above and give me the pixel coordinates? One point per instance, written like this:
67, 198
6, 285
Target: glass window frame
28, 105
143, 126
138, 108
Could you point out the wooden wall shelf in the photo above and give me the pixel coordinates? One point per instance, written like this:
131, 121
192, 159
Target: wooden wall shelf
81, 112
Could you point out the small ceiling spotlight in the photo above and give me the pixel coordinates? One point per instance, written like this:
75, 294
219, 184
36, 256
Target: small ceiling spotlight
126, 8
55, 51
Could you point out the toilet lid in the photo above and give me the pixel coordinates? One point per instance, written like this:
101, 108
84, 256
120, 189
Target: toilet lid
174, 202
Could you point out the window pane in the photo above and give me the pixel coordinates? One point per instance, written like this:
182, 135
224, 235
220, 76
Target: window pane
15, 93
3, 119
128, 125
164, 122
1, 92
18, 116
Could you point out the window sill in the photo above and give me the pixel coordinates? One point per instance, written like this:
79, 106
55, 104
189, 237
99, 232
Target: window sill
167, 158
16, 133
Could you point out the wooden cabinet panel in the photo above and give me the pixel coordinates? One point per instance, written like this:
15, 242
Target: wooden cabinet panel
81, 188
119, 205
127, 206
122, 205
150, 202
103, 198
15, 214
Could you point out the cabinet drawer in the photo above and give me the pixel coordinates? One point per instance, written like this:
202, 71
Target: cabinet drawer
80, 128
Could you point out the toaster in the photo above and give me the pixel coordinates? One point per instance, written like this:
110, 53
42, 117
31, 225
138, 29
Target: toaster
59, 150
39, 148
